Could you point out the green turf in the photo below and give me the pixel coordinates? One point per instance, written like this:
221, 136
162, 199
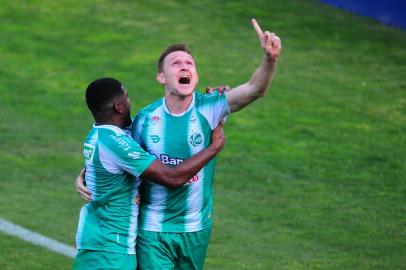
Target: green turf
312, 176
17, 254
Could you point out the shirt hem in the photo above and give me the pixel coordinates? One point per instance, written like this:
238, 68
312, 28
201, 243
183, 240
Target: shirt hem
183, 230
132, 252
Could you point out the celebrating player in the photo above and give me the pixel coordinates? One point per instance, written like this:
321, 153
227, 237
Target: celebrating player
107, 226
175, 225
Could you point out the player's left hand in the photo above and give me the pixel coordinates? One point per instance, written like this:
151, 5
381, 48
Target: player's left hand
221, 89
270, 42
218, 138
81, 188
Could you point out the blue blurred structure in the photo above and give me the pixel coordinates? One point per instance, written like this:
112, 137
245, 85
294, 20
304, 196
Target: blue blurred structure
392, 12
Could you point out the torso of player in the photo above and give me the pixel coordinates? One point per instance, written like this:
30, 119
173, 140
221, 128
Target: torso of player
172, 139
109, 221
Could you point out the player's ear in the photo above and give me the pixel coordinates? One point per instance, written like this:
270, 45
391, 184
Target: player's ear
160, 78
118, 106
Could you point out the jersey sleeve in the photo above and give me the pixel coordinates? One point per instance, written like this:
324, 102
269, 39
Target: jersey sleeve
214, 107
128, 154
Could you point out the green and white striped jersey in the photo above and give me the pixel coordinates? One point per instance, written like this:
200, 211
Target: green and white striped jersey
109, 221
172, 139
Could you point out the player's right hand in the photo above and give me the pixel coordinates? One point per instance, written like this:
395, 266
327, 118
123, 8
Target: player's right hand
81, 188
217, 138
270, 42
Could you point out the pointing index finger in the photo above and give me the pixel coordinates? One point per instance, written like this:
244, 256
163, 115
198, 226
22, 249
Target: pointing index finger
256, 27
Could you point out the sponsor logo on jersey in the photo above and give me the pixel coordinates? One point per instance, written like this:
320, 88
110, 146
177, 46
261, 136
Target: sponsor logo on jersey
88, 151
155, 119
155, 138
193, 179
122, 143
165, 159
196, 139
134, 155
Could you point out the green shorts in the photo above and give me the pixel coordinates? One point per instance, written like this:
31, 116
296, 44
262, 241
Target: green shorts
97, 260
162, 250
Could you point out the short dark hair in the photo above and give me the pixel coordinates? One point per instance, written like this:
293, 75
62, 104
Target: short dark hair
172, 48
101, 92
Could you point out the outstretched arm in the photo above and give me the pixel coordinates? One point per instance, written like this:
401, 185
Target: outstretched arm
260, 80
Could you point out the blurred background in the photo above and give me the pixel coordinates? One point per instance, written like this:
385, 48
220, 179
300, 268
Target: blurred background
312, 176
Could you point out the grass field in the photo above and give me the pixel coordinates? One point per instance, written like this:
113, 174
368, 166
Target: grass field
313, 176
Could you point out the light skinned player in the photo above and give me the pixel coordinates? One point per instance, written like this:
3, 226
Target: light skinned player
107, 226
175, 225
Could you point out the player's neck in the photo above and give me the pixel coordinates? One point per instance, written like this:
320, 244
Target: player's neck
114, 121
177, 104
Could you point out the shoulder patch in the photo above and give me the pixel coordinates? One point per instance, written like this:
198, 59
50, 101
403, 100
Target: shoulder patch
88, 150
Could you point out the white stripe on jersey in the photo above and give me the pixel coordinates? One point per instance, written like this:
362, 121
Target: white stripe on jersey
153, 219
214, 113
137, 133
109, 160
132, 229
90, 177
156, 210
81, 225
112, 162
196, 189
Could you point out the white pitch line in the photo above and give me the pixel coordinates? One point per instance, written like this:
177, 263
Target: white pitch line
36, 238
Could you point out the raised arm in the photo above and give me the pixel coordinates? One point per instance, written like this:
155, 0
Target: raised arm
257, 86
175, 177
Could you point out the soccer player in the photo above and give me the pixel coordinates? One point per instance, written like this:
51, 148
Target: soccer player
175, 225
107, 226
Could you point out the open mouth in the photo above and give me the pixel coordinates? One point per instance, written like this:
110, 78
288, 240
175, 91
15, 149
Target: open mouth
184, 80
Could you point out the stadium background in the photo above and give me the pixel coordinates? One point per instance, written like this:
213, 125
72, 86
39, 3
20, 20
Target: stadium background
312, 176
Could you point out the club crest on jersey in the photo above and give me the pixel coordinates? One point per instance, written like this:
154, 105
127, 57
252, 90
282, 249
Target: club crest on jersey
196, 139
155, 119
88, 151
155, 138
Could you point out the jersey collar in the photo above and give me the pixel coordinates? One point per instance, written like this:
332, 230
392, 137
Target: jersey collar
191, 105
115, 129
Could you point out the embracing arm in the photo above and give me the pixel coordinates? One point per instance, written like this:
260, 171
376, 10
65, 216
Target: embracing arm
260, 80
175, 177
81, 188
